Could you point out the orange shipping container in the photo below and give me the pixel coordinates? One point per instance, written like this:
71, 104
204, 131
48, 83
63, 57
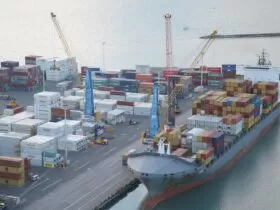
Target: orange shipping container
144, 77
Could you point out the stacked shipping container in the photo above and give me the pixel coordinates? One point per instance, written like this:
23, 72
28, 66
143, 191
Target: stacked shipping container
232, 86
12, 171
269, 91
215, 77
24, 77
4, 78
248, 105
229, 71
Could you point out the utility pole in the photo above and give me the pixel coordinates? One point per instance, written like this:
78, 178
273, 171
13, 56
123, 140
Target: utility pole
103, 55
169, 59
65, 135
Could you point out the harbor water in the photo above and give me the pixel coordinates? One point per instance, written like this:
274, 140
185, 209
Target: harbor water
134, 33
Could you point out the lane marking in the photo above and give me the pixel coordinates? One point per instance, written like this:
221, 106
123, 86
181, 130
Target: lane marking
132, 138
52, 184
82, 166
111, 150
113, 163
31, 187
94, 189
74, 163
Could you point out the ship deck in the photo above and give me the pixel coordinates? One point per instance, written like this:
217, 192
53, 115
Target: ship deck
151, 163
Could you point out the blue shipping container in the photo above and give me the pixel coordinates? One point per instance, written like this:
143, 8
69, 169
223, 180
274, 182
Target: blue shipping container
10, 64
229, 67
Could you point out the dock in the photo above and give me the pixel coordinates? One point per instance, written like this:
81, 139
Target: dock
237, 36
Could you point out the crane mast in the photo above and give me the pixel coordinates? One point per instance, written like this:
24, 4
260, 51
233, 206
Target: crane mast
169, 59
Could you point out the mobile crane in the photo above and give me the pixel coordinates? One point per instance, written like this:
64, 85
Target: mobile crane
66, 48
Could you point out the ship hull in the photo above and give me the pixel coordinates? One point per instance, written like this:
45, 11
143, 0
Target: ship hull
162, 188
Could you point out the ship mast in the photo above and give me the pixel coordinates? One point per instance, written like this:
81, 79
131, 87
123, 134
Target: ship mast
263, 59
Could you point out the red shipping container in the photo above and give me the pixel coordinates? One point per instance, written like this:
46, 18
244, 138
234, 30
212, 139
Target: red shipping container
12, 176
60, 112
214, 69
117, 92
125, 103
105, 88
144, 77
170, 72
18, 109
146, 84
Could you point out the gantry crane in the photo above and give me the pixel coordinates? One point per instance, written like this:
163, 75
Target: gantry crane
66, 46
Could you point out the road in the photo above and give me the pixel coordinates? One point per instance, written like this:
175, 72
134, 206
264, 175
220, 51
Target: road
93, 174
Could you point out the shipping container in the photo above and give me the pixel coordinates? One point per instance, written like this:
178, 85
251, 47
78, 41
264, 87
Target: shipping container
229, 67
144, 77
10, 64
214, 69
31, 59
4, 76
170, 72
104, 88
92, 69
14, 162
128, 73
143, 69
125, 103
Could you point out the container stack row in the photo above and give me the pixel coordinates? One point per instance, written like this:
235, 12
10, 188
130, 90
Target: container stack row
269, 93
248, 105
43, 102
57, 69
232, 124
215, 77
232, 86
203, 139
13, 171
205, 156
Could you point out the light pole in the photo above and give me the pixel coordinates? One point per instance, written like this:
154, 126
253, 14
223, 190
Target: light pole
65, 134
103, 55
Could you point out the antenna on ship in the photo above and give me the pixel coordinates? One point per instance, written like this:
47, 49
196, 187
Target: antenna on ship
263, 59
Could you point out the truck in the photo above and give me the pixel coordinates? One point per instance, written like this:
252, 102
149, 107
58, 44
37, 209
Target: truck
9, 202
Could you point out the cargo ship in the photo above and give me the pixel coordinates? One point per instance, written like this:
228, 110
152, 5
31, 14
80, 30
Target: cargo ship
224, 126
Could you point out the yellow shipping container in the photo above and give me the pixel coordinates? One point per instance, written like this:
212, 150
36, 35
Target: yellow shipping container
16, 183
12, 169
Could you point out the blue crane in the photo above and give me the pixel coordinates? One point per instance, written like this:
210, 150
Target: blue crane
89, 105
154, 116
154, 128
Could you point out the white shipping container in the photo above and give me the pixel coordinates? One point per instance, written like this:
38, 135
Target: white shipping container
28, 126
118, 97
136, 97
30, 108
72, 102
99, 94
73, 143
10, 143
127, 109
106, 104
51, 129
34, 146
235, 129
6, 122
72, 125
143, 109
208, 122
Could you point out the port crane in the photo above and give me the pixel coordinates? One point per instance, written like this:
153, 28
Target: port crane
65, 44
176, 88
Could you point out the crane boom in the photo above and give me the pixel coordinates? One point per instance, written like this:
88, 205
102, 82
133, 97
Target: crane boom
172, 96
61, 35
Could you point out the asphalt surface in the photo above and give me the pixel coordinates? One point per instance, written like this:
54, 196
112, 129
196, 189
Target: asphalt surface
93, 174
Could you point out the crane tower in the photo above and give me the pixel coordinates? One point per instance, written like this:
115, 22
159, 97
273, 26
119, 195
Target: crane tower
169, 61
